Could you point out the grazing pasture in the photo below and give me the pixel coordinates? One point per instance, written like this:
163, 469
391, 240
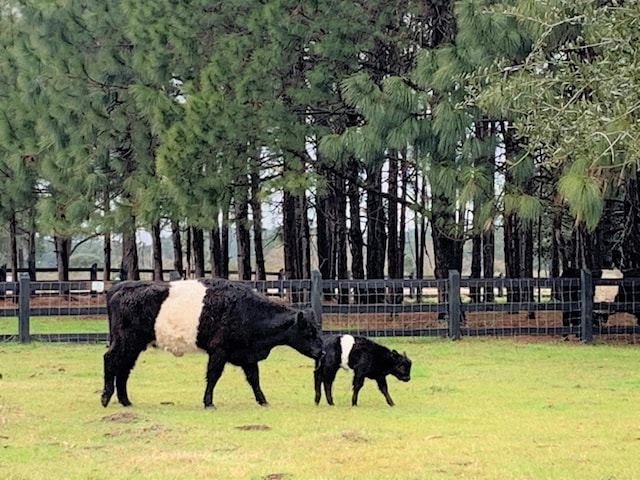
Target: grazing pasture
477, 408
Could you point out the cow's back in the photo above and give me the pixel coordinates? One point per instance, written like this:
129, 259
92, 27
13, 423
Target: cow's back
135, 303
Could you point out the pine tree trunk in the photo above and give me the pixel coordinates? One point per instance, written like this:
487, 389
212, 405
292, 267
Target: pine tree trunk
156, 245
224, 243
129, 269
215, 252
31, 260
13, 247
376, 235
557, 243
295, 232
176, 240
63, 249
243, 238
447, 246
512, 254
106, 255
256, 211
488, 256
324, 245
197, 239
188, 253
476, 262
392, 224
402, 235
631, 233
355, 231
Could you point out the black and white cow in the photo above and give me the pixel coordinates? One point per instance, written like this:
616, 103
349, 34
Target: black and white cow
629, 294
227, 320
366, 358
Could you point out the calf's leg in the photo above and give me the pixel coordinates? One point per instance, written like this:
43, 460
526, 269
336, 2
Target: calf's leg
252, 375
317, 384
382, 385
328, 376
358, 382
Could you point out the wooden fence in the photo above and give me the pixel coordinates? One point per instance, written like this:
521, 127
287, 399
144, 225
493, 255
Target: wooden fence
454, 307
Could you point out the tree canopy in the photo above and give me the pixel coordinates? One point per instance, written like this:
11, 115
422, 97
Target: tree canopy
469, 117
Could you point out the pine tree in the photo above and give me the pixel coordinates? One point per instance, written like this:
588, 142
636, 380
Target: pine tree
572, 100
18, 147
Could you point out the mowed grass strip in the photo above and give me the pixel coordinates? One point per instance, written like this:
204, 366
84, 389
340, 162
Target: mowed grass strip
481, 409
56, 324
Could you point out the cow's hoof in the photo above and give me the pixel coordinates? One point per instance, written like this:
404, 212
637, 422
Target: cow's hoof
105, 400
210, 407
125, 403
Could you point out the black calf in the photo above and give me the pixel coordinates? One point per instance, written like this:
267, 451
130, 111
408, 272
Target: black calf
366, 358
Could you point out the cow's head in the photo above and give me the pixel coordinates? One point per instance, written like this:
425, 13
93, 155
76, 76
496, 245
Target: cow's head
304, 335
401, 368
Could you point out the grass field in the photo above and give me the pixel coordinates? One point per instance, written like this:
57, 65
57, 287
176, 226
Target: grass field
479, 409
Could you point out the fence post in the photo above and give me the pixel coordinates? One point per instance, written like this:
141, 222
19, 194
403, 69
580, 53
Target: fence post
454, 305
24, 334
316, 296
586, 305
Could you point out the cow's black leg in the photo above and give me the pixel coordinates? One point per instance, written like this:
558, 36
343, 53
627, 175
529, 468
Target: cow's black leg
358, 382
214, 370
382, 385
253, 377
110, 368
127, 361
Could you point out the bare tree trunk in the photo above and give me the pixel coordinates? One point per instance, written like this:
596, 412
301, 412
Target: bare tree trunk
297, 250
488, 259
376, 235
156, 245
243, 238
197, 239
215, 252
177, 247
13, 246
355, 231
392, 223
129, 269
256, 211
106, 255
631, 234
188, 253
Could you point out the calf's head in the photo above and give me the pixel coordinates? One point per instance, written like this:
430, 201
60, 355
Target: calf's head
304, 335
401, 368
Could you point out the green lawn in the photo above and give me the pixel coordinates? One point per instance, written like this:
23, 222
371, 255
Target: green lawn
66, 324
478, 409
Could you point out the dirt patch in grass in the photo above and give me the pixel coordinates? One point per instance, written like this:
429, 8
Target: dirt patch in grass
122, 417
254, 427
62, 300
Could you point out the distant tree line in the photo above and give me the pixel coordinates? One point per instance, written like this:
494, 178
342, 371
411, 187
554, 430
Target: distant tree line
458, 117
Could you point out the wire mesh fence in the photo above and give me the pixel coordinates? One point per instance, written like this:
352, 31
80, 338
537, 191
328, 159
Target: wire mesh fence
577, 307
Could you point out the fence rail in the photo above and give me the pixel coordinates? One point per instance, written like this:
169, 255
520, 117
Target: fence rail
452, 307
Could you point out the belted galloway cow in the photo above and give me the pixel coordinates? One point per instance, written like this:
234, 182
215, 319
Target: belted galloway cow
227, 320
